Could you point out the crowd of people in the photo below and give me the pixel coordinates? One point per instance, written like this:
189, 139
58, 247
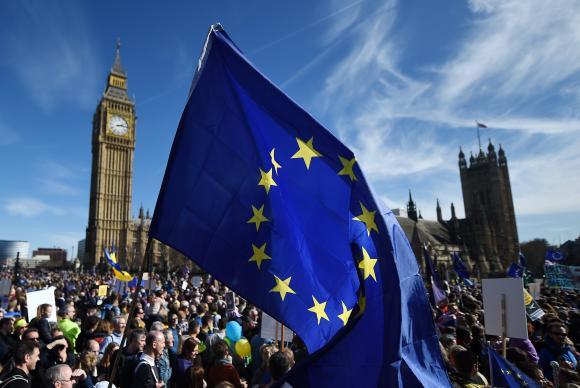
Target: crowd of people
206, 336
553, 337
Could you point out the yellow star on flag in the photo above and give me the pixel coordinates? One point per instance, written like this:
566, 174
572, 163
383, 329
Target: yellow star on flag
345, 314
368, 218
347, 166
282, 287
367, 265
306, 152
266, 180
274, 162
258, 217
259, 255
318, 309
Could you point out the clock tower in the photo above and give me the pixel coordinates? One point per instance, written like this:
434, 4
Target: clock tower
113, 145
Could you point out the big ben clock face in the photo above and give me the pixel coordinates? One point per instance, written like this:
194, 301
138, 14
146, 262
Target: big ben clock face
118, 126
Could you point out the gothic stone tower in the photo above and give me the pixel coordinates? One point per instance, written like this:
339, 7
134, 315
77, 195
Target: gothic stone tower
113, 145
492, 236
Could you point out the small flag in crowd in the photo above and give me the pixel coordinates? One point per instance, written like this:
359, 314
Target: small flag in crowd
506, 374
552, 255
515, 271
269, 202
480, 125
437, 296
119, 273
461, 269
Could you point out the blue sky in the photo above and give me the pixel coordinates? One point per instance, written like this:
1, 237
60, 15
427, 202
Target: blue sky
400, 82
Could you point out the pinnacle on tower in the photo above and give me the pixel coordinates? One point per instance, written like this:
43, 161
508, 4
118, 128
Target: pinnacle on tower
117, 68
411, 208
453, 211
439, 214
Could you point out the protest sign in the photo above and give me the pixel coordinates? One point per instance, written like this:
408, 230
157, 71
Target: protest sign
535, 288
36, 298
533, 310
102, 290
230, 303
562, 276
272, 329
5, 286
503, 303
184, 285
196, 281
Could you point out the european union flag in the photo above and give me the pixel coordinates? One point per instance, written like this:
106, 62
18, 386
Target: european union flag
268, 201
506, 374
515, 271
552, 255
461, 269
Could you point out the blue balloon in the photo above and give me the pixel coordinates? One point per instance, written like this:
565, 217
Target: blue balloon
233, 331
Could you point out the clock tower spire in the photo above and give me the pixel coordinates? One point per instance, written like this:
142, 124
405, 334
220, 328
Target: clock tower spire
113, 146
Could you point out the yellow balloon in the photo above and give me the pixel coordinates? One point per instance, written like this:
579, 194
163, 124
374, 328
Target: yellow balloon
243, 348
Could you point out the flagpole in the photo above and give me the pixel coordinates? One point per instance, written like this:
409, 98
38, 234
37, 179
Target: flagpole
144, 264
490, 363
478, 137
282, 337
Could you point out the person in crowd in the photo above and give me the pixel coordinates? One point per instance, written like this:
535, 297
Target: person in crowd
223, 369
26, 356
20, 325
40, 322
279, 365
466, 371
557, 349
105, 366
63, 376
146, 374
262, 375
185, 360
116, 336
88, 332
68, 326
7, 341
130, 356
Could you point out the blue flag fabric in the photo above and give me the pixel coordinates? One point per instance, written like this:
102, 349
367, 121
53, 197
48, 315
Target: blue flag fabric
437, 295
461, 269
515, 271
270, 203
506, 374
552, 255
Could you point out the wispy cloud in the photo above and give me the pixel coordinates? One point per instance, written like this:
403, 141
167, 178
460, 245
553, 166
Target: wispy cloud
515, 81
63, 67
33, 207
57, 178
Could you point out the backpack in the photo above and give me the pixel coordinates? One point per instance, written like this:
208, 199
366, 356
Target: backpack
12, 379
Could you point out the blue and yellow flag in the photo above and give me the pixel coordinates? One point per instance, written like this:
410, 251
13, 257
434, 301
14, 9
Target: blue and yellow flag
263, 197
119, 273
506, 374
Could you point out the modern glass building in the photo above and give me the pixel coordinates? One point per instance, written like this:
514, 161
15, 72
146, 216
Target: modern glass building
9, 249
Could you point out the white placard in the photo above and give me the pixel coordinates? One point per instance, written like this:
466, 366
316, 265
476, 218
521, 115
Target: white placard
36, 298
184, 285
270, 326
196, 281
493, 290
535, 288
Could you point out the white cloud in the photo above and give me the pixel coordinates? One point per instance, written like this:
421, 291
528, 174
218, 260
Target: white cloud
505, 74
28, 207
33, 207
57, 178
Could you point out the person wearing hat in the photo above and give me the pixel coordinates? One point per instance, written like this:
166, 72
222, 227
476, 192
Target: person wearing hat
20, 325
